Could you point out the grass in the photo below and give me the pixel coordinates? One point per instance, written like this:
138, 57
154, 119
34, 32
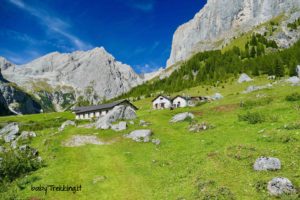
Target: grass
213, 164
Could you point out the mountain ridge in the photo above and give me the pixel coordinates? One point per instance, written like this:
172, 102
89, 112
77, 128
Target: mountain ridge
217, 23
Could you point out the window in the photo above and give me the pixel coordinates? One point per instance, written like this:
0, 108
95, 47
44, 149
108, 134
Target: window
162, 105
161, 98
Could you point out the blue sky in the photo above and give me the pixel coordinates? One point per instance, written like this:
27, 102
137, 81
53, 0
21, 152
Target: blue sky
136, 32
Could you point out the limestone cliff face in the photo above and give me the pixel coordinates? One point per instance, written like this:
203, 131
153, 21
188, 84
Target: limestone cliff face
221, 20
93, 74
15, 101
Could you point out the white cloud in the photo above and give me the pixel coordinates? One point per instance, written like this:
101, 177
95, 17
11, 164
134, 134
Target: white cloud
53, 23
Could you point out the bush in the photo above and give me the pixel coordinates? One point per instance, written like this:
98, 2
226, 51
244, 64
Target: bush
255, 103
16, 163
293, 97
252, 118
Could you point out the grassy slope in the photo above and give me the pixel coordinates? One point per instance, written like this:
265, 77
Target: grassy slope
183, 161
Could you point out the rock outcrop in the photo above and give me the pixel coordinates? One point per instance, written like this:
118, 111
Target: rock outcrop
121, 112
244, 78
219, 21
15, 101
140, 135
181, 117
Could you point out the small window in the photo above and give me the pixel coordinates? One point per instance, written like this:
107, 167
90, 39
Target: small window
161, 98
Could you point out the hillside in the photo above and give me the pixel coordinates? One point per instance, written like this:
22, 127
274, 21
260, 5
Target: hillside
216, 163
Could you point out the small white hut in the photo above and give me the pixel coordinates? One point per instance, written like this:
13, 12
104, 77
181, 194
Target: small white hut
161, 102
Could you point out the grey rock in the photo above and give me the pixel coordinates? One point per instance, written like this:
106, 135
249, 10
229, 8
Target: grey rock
121, 126
298, 70
25, 135
217, 23
131, 122
129, 113
199, 127
15, 101
155, 141
66, 124
244, 78
256, 88
279, 186
121, 112
144, 123
293, 80
181, 117
93, 74
217, 96
9, 132
140, 135
264, 164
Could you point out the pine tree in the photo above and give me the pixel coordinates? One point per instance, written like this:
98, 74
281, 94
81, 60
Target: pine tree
279, 69
292, 66
253, 52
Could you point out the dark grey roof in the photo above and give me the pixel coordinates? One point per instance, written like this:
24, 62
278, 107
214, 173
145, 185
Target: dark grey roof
184, 97
101, 107
161, 96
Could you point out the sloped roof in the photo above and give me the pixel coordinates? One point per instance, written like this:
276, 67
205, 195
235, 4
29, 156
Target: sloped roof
184, 97
161, 96
101, 107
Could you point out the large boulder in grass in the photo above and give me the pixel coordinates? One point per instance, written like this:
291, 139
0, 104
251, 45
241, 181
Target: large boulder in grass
264, 164
181, 117
121, 112
298, 70
280, 186
140, 135
217, 96
9, 132
294, 80
244, 78
66, 124
121, 126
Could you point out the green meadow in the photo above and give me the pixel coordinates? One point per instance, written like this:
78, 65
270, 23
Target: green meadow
212, 164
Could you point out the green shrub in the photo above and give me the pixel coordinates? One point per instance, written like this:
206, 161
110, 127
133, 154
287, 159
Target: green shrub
16, 163
255, 103
293, 97
253, 118
294, 126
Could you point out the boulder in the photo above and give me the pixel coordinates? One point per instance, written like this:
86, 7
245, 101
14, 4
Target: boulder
129, 113
279, 186
244, 78
217, 96
131, 122
181, 117
121, 112
294, 80
155, 141
298, 70
140, 135
199, 127
27, 135
144, 123
264, 164
9, 132
256, 88
121, 126
65, 124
